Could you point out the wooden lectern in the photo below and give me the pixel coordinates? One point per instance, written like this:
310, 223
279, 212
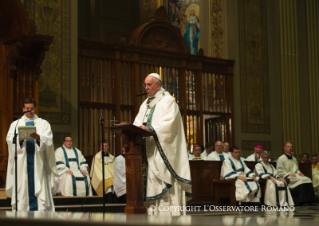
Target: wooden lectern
132, 141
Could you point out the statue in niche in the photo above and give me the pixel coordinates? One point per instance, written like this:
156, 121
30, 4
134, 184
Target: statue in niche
184, 15
191, 35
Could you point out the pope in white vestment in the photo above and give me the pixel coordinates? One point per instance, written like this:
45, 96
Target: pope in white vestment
168, 180
277, 192
247, 187
300, 186
97, 171
36, 167
72, 168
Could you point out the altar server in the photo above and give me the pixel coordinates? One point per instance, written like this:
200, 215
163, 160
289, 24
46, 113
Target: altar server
72, 168
120, 177
247, 187
300, 186
277, 192
97, 173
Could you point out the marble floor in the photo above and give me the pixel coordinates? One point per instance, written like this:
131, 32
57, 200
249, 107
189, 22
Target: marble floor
305, 216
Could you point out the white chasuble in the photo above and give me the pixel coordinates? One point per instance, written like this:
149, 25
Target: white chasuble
168, 180
97, 173
227, 155
246, 191
286, 166
36, 164
276, 194
76, 184
119, 176
315, 178
215, 156
253, 158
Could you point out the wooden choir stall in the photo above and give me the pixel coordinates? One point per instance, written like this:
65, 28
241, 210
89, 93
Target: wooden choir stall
207, 187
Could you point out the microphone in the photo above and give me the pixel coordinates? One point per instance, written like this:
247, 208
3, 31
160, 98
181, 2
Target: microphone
27, 111
137, 95
142, 94
101, 119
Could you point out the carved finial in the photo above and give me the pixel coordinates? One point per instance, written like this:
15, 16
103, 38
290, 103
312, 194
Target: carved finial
200, 52
32, 27
161, 14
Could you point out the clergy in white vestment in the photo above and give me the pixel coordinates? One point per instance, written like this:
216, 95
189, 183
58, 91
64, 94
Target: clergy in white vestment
197, 153
247, 186
218, 154
120, 177
36, 167
97, 173
168, 180
209, 147
315, 174
72, 168
300, 186
277, 192
255, 157
226, 150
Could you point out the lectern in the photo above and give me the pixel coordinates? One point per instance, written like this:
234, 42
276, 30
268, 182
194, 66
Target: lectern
132, 140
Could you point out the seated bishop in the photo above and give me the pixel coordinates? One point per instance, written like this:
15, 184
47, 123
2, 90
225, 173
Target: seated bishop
255, 157
247, 186
97, 173
300, 186
218, 154
72, 168
277, 192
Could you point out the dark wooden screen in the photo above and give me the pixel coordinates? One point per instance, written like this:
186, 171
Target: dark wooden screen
111, 74
218, 129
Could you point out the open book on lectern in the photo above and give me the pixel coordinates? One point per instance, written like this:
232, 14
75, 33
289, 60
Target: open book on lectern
25, 131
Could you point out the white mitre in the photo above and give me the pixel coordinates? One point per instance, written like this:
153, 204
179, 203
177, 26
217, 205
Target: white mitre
155, 75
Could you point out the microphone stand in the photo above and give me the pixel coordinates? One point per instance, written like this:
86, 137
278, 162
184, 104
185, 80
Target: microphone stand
102, 153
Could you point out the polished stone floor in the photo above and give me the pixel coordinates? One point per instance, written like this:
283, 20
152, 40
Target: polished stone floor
305, 216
